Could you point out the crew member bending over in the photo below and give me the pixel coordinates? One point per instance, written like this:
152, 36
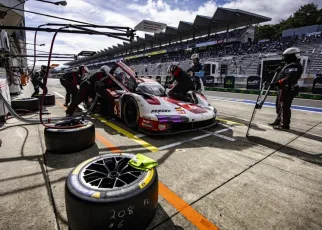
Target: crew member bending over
88, 88
70, 80
184, 83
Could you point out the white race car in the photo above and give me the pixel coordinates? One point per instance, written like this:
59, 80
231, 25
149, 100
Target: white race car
143, 104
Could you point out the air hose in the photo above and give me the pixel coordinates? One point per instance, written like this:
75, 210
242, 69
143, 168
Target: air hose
45, 87
35, 40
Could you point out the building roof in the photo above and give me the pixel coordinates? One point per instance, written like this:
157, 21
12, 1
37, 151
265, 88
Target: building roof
222, 20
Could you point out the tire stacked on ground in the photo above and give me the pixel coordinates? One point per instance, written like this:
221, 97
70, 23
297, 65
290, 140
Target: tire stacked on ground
48, 100
31, 104
62, 141
106, 193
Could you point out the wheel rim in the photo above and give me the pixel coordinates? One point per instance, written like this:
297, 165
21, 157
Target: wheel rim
25, 99
72, 122
110, 173
131, 114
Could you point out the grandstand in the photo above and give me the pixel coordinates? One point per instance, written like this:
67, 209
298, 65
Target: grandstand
218, 29
215, 41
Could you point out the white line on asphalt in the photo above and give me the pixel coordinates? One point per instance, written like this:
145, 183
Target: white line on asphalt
219, 135
60, 95
199, 137
181, 142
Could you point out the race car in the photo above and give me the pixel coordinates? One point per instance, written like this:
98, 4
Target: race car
143, 104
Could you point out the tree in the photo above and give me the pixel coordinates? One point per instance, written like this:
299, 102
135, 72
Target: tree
306, 15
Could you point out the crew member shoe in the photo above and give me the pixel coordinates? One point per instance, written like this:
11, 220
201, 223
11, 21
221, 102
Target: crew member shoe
282, 127
274, 123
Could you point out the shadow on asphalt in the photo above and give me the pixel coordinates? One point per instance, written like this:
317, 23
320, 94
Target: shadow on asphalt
162, 221
307, 135
71, 160
314, 159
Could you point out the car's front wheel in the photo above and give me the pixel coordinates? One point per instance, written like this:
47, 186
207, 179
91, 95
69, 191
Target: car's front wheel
131, 113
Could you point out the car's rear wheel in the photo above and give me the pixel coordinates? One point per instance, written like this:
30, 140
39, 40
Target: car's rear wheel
106, 193
131, 113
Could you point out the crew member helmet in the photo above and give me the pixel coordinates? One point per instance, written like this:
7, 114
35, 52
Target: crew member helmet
171, 69
195, 56
291, 54
83, 70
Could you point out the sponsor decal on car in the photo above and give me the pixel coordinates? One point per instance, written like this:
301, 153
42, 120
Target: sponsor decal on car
180, 111
160, 111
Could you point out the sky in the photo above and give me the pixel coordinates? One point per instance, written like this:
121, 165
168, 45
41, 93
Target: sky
131, 12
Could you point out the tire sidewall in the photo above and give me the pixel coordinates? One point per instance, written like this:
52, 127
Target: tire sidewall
64, 141
86, 212
31, 104
136, 124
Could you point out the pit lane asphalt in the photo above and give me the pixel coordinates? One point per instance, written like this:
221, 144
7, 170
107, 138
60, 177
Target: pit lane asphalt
229, 180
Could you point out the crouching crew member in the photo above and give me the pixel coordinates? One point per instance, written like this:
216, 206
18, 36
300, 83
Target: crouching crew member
37, 80
184, 83
288, 88
70, 80
88, 88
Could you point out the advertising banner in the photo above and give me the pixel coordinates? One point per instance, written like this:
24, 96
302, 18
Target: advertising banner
133, 56
206, 43
253, 82
317, 85
156, 53
229, 82
209, 81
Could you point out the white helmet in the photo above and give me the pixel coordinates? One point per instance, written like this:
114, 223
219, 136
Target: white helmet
292, 51
195, 56
106, 69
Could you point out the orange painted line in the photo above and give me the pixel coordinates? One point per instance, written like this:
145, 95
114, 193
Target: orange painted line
180, 205
185, 209
60, 104
108, 144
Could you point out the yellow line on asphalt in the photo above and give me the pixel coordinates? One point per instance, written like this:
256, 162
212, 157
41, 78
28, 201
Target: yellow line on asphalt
128, 134
229, 122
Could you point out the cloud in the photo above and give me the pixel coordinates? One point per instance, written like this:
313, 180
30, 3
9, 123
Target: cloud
130, 13
161, 11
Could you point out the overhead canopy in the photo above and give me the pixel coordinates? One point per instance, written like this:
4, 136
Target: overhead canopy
223, 19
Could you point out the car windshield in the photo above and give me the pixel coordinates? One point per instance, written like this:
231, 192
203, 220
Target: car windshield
151, 88
125, 79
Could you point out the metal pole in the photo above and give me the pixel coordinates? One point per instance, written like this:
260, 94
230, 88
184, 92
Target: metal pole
41, 56
91, 32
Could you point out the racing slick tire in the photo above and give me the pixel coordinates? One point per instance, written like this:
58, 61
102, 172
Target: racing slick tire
48, 100
105, 192
62, 141
31, 104
131, 113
